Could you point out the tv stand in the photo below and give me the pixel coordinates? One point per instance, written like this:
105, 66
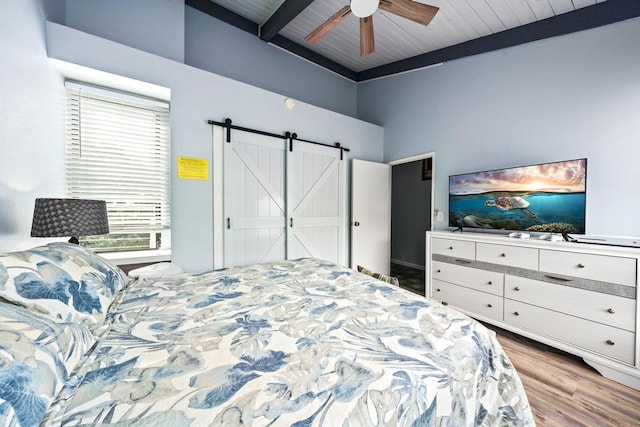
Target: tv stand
577, 297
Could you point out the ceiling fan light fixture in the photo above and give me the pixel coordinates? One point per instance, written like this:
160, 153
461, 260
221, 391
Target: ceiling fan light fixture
364, 8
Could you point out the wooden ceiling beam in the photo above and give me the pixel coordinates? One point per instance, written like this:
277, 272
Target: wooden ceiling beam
223, 14
287, 11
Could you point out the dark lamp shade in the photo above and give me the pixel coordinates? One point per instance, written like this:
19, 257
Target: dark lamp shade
69, 217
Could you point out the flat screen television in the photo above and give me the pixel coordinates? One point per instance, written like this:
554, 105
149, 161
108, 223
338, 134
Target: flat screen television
548, 197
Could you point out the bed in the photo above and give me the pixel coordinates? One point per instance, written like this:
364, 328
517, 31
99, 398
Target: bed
292, 343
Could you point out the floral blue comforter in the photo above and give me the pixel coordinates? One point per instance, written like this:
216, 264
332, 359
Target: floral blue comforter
291, 343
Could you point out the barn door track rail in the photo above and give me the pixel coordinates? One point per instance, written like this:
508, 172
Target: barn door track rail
291, 137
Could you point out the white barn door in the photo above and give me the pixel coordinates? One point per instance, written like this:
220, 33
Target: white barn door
315, 202
282, 204
254, 199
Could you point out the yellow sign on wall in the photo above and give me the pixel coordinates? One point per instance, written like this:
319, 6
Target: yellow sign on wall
190, 168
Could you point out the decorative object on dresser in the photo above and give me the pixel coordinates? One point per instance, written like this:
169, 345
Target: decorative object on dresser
69, 217
576, 297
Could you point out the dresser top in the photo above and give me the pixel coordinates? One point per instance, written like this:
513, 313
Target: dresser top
535, 242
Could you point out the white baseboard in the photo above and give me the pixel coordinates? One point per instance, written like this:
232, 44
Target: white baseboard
407, 264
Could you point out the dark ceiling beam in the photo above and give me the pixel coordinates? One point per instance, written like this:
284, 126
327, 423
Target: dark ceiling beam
281, 17
312, 56
585, 18
225, 15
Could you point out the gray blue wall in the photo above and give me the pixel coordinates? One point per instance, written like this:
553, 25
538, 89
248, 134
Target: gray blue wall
32, 97
567, 97
170, 29
215, 46
31, 121
150, 25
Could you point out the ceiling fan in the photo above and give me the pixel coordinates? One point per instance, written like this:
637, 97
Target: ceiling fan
364, 9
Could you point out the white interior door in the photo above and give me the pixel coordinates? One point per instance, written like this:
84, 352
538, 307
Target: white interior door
315, 200
371, 215
254, 199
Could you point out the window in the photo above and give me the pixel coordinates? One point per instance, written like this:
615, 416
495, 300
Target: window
118, 149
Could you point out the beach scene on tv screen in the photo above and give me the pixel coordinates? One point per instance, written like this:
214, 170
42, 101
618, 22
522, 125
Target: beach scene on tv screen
547, 197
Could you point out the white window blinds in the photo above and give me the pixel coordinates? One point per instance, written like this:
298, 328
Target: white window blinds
118, 149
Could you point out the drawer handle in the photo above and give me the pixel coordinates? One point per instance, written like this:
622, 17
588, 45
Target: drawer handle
489, 282
611, 310
581, 265
490, 305
515, 313
609, 342
503, 255
438, 290
561, 279
516, 289
445, 303
450, 248
438, 271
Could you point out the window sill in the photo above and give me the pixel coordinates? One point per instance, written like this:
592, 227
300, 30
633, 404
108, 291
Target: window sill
137, 257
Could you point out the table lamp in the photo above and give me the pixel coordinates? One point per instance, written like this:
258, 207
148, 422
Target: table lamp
69, 217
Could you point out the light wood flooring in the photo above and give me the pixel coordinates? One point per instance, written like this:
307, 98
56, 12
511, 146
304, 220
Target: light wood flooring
565, 391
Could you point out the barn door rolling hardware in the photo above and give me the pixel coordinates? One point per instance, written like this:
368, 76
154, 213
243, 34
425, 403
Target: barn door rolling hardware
228, 126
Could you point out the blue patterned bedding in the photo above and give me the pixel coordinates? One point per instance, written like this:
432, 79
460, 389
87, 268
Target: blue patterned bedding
291, 343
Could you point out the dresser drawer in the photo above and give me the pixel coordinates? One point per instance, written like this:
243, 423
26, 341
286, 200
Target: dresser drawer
589, 266
513, 256
454, 248
595, 337
481, 280
467, 299
607, 309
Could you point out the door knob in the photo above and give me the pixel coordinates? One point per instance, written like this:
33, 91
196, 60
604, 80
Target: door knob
356, 224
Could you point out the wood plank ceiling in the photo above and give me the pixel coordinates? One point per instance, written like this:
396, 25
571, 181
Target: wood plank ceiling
460, 28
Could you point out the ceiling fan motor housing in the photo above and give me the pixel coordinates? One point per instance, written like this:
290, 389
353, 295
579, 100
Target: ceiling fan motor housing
364, 8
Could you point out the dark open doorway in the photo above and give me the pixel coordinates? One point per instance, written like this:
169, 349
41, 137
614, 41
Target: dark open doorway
411, 217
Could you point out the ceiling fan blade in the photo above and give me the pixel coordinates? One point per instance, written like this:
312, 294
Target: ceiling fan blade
328, 25
367, 44
416, 12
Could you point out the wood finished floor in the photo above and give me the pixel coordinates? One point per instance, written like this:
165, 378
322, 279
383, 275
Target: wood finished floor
564, 391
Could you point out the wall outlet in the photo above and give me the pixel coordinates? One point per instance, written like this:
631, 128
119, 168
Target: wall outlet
440, 216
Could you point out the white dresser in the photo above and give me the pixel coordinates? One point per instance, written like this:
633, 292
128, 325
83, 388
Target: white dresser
579, 298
